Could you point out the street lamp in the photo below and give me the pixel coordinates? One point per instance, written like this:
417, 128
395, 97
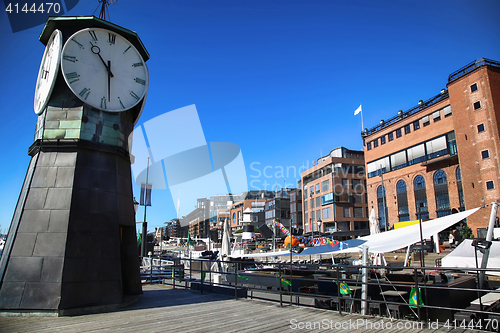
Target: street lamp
319, 226
136, 205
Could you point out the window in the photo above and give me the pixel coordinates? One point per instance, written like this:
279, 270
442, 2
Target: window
356, 184
325, 186
398, 133
436, 116
369, 146
317, 188
312, 203
426, 121
473, 88
480, 128
416, 125
382, 206
441, 193
327, 213
382, 140
447, 111
390, 136
345, 183
358, 211
375, 143
485, 154
477, 105
460, 189
318, 215
490, 185
407, 129
347, 211
311, 191
420, 198
357, 198
318, 201
402, 196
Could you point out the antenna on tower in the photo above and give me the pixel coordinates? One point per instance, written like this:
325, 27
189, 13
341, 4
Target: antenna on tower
104, 8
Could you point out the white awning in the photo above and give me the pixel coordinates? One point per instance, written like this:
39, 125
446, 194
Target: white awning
416, 152
436, 144
447, 110
403, 237
398, 158
463, 257
386, 241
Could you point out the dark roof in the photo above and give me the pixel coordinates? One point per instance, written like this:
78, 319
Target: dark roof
75, 23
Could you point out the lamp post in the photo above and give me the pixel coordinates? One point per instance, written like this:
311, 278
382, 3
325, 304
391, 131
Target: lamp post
136, 205
422, 260
319, 226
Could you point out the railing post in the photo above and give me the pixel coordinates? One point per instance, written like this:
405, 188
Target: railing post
235, 280
280, 285
150, 269
418, 293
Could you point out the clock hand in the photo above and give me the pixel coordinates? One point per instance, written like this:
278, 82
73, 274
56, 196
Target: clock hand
109, 80
98, 52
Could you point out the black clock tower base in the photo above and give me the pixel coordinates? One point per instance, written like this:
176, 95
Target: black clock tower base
75, 244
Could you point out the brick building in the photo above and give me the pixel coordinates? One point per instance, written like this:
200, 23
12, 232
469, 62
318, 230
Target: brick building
333, 193
296, 210
441, 156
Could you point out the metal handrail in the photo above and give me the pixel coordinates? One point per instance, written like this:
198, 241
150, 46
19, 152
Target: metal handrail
472, 66
402, 115
234, 280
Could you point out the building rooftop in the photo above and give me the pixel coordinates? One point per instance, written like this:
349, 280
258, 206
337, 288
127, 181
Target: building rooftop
422, 105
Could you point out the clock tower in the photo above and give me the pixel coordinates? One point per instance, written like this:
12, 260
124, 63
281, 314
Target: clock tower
72, 241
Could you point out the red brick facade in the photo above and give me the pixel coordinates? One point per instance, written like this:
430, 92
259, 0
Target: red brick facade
472, 100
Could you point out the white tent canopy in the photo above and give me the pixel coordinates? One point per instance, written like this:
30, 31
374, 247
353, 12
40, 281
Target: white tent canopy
386, 241
463, 257
403, 237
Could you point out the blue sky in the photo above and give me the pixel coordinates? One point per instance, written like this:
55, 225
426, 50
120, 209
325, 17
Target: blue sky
281, 79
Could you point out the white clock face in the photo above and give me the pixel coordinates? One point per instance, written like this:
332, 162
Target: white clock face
48, 71
104, 70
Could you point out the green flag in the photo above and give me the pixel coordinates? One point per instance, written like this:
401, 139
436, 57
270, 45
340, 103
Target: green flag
344, 289
190, 241
139, 239
285, 282
415, 298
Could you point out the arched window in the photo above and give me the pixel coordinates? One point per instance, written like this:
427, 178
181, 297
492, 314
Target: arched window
403, 212
420, 198
460, 190
382, 207
441, 193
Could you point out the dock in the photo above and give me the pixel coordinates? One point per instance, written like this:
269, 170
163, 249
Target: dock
162, 309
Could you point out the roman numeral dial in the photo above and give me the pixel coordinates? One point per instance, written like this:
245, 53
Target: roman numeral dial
104, 70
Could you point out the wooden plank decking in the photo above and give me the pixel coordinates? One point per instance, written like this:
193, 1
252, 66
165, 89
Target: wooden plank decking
163, 309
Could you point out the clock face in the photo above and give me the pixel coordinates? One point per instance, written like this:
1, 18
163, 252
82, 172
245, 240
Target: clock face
48, 71
104, 70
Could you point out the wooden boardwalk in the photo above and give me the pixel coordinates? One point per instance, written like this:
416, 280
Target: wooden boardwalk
162, 309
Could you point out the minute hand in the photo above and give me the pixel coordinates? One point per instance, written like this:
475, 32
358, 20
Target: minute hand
96, 50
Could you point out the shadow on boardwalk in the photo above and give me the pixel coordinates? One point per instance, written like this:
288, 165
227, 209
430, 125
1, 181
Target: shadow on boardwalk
161, 309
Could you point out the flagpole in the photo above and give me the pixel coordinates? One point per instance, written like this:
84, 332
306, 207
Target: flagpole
362, 127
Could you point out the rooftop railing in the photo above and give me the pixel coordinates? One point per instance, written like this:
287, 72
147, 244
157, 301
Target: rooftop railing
472, 66
402, 115
443, 95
